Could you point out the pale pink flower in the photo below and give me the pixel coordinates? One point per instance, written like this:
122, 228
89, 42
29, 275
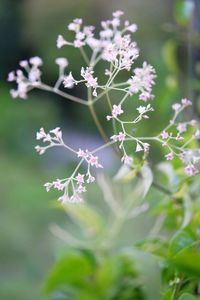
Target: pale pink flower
141, 109
41, 134
117, 110
142, 81
11, 76
93, 161
80, 178
191, 170
193, 122
90, 179
176, 106
138, 148
88, 31
34, 75
146, 147
58, 185
75, 25
69, 81
87, 75
119, 137
75, 199
62, 62
82, 153
118, 13
127, 160
164, 135
78, 43
81, 189
48, 186
14, 93
23, 63
93, 43
186, 102
132, 28
40, 150
169, 156
36, 61
61, 41
182, 127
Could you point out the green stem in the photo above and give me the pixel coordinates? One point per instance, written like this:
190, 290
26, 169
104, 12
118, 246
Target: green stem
110, 106
85, 57
48, 88
95, 118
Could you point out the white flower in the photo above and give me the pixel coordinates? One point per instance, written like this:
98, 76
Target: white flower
138, 148
36, 61
11, 76
169, 156
80, 178
23, 63
61, 41
191, 170
127, 160
117, 110
87, 74
69, 81
62, 62
41, 134
176, 106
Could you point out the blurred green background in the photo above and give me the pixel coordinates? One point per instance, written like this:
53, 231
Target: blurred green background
29, 28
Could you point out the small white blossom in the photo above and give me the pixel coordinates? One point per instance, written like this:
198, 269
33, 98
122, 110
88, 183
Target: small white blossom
36, 61
61, 41
169, 156
69, 81
61, 62
138, 148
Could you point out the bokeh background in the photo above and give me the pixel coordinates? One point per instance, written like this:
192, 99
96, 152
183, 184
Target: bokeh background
168, 37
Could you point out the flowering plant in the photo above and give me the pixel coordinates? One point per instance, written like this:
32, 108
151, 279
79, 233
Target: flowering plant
117, 52
115, 47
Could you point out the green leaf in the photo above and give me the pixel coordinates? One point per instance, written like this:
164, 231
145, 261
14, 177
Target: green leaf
187, 296
143, 174
181, 240
106, 273
188, 261
74, 270
86, 217
146, 177
154, 246
169, 55
187, 210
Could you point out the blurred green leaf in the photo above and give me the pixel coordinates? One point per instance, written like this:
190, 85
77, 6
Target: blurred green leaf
146, 177
169, 55
181, 240
87, 217
74, 270
155, 246
187, 203
188, 261
187, 296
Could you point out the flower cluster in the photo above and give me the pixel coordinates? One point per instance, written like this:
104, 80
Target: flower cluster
142, 82
113, 45
74, 185
25, 82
